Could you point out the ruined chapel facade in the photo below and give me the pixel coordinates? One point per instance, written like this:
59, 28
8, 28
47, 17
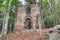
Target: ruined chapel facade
28, 17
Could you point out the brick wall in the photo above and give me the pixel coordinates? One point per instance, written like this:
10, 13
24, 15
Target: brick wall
27, 35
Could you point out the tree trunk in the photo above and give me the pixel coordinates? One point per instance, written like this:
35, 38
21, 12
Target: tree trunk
5, 25
5, 21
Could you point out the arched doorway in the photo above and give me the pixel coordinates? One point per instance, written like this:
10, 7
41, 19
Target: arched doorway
28, 23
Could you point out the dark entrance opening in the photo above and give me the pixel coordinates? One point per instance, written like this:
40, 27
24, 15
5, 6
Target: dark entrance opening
28, 23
